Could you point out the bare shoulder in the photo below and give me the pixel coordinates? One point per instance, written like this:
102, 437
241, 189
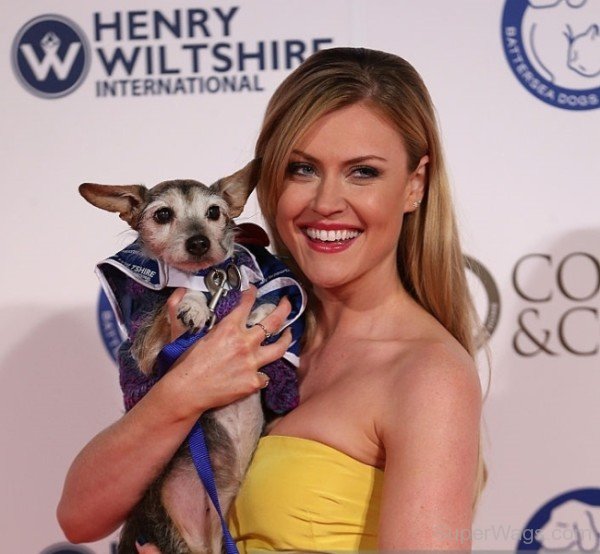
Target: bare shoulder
433, 382
430, 435
438, 366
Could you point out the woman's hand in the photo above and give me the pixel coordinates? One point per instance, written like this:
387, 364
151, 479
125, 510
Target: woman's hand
111, 473
223, 365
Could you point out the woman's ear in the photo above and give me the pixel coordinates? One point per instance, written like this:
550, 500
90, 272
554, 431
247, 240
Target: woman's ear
416, 185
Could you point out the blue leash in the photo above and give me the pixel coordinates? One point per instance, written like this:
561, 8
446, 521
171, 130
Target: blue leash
197, 443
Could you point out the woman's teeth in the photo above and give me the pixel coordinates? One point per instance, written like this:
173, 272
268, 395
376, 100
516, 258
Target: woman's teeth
331, 236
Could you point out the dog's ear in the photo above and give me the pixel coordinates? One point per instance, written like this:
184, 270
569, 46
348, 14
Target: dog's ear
126, 200
237, 187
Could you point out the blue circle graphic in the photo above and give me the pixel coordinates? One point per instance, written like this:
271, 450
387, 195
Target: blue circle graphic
564, 522
50, 56
525, 53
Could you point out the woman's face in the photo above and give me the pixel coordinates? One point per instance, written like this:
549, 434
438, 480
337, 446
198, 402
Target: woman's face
346, 190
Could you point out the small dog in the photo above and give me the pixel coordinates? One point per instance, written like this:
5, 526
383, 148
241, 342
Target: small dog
186, 227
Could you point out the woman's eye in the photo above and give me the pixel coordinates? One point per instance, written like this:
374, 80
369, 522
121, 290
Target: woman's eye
365, 172
301, 169
163, 215
213, 213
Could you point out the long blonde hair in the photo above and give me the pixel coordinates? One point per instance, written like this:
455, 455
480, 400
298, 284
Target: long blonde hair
430, 261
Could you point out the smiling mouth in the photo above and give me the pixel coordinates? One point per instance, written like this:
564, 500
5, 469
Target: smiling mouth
340, 235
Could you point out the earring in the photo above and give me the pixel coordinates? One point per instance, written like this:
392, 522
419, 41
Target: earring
416, 204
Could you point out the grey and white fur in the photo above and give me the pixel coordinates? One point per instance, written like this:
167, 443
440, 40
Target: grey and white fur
189, 226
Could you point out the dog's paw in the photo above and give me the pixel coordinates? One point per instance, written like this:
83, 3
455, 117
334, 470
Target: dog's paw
193, 311
260, 313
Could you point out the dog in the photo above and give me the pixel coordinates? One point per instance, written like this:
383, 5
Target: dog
185, 228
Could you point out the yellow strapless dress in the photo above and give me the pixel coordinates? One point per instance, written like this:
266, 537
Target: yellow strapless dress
299, 494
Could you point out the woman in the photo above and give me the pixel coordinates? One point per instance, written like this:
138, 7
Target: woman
383, 450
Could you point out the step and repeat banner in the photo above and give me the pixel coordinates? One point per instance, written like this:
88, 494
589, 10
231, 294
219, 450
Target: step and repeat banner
144, 91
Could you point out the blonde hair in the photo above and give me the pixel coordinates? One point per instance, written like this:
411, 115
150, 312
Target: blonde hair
430, 261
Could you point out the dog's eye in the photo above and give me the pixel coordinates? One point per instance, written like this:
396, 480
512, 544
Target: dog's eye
163, 215
213, 213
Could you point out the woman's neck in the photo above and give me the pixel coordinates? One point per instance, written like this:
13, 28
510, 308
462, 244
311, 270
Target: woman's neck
362, 306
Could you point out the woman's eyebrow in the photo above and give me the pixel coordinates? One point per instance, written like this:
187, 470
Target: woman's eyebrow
304, 155
358, 159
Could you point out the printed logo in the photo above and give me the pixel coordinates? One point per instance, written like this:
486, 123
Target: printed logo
486, 297
569, 522
553, 48
153, 52
560, 314
50, 56
109, 326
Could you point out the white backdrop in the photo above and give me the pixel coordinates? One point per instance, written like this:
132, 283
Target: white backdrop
525, 175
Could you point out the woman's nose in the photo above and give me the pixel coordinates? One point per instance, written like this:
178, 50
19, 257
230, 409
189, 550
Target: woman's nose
329, 197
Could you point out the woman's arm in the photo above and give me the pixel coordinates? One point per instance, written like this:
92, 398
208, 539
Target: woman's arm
111, 473
431, 438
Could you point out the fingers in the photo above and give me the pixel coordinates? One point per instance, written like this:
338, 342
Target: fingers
263, 329
177, 327
263, 379
271, 352
240, 314
271, 324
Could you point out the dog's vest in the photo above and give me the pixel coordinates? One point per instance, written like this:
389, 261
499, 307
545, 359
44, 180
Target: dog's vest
135, 284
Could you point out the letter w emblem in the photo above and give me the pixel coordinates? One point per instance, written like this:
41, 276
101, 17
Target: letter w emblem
50, 44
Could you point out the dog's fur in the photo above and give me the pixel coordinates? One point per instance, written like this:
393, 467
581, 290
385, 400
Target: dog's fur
187, 225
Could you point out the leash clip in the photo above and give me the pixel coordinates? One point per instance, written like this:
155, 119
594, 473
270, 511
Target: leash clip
219, 282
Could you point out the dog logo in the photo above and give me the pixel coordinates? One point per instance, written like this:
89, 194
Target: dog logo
50, 56
553, 48
569, 522
486, 297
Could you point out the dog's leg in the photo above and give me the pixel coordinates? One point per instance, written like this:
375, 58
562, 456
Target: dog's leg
152, 335
258, 314
193, 310
155, 330
231, 435
185, 499
242, 422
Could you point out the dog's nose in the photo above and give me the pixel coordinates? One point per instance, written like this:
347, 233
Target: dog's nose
197, 245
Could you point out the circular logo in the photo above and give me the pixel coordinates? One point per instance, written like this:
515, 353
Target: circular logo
486, 297
568, 522
553, 48
50, 56
66, 548
112, 336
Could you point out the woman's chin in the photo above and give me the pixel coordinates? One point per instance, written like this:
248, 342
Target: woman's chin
328, 280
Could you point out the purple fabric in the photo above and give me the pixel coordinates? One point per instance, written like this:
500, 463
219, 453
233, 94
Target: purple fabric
281, 395
227, 303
